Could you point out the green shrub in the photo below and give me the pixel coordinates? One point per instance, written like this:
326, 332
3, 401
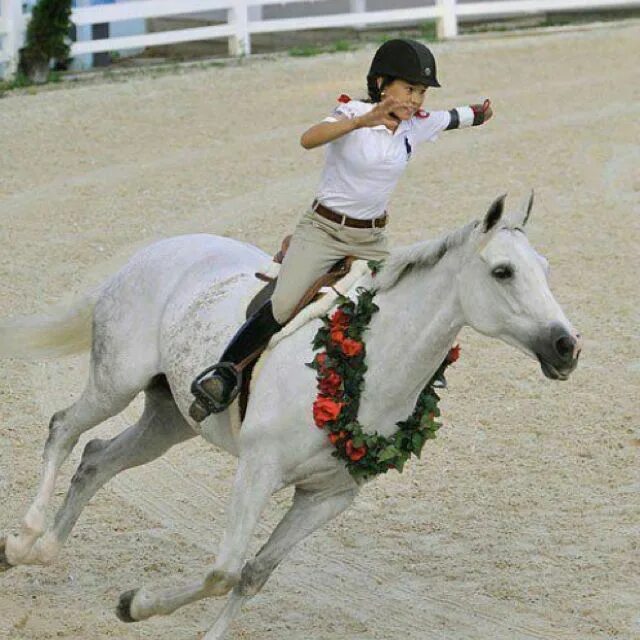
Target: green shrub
429, 31
47, 35
305, 51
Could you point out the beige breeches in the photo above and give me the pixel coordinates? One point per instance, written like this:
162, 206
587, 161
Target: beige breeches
316, 245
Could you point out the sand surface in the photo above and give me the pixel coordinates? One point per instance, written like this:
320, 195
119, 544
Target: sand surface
521, 520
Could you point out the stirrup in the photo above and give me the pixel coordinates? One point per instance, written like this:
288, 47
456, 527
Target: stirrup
208, 400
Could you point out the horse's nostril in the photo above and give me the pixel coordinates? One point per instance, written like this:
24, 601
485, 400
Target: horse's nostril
564, 346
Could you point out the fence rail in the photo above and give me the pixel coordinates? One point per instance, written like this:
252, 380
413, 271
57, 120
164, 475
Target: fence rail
239, 27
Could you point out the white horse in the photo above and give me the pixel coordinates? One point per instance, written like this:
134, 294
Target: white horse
169, 312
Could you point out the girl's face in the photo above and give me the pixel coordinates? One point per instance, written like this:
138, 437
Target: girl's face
410, 95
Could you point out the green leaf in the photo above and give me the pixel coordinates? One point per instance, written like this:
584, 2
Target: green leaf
417, 441
388, 453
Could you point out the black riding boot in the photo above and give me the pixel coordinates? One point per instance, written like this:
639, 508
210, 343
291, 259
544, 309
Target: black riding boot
216, 387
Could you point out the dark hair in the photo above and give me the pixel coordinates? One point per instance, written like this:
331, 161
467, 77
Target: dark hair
372, 87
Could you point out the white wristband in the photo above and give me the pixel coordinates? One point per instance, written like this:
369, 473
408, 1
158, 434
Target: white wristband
465, 114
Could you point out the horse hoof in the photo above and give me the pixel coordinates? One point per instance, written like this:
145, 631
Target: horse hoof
4, 563
123, 610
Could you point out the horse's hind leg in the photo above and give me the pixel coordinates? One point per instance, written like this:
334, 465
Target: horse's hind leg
101, 399
112, 385
160, 427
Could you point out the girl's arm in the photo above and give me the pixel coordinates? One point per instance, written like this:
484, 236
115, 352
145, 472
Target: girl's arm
470, 116
324, 132
429, 126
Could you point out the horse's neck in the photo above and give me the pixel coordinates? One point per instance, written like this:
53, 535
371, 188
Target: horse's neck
411, 334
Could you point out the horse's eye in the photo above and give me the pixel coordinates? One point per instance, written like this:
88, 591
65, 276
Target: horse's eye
502, 272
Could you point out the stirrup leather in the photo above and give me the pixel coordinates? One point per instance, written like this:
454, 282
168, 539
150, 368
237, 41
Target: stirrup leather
208, 400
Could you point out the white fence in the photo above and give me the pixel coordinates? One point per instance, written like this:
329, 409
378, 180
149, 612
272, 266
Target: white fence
240, 24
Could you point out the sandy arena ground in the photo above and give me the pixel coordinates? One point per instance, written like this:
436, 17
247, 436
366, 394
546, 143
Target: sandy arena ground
521, 520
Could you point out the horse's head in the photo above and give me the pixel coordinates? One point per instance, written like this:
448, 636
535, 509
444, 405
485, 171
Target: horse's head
505, 294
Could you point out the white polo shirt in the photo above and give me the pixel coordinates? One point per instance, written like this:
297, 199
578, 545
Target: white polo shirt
363, 167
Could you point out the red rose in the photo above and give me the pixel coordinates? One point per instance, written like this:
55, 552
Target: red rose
325, 410
351, 347
355, 453
339, 320
321, 358
330, 383
454, 354
337, 336
337, 437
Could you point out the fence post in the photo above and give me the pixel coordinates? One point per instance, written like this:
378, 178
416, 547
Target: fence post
447, 22
13, 39
358, 6
240, 42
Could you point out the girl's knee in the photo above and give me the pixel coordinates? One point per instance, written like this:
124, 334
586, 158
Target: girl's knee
282, 309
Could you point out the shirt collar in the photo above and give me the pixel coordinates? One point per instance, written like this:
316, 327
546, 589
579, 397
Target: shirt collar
404, 124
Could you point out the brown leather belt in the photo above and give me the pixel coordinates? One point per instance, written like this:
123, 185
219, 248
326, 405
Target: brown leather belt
327, 213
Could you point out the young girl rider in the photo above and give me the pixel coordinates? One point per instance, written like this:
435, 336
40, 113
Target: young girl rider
369, 144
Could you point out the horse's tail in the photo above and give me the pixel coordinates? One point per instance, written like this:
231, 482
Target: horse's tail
60, 332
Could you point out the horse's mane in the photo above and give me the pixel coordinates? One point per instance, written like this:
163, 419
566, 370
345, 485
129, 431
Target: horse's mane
425, 253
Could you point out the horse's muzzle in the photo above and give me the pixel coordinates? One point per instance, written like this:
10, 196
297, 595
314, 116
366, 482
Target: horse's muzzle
558, 351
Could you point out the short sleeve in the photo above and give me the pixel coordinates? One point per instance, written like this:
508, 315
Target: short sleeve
428, 126
344, 111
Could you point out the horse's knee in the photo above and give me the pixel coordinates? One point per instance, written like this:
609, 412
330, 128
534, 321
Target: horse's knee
88, 467
253, 577
92, 447
84, 473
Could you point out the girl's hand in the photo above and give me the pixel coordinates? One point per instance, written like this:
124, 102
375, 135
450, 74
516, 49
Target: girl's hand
381, 114
483, 111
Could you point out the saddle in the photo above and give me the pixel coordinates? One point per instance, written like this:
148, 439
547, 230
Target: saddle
337, 272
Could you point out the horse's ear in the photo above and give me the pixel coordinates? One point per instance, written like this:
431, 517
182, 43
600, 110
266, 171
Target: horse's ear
527, 208
519, 219
494, 214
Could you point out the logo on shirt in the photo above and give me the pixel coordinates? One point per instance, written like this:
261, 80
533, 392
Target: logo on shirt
407, 146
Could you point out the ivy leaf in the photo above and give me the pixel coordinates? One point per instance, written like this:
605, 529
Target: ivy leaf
375, 266
357, 441
417, 441
388, 453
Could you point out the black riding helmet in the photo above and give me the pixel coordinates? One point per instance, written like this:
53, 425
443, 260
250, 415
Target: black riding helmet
405, 59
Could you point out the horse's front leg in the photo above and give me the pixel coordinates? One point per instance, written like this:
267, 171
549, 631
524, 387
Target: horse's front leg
310, 510
256, 479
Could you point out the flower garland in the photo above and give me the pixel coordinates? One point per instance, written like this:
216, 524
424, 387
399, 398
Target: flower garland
340, 368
